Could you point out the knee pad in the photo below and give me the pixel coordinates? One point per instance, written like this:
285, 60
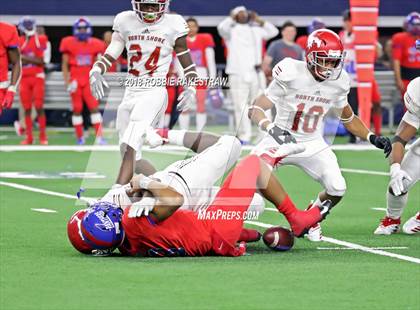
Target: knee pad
134, 134
335, 186
77, 120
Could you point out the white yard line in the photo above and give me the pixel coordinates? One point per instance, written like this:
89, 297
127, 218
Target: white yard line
353, 246
42, 210
360, 171
375, 248
325, 239
379, 209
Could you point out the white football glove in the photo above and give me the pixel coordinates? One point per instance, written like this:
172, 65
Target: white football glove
154, 139
187, 99
72, 87
398, 177
118, 195
143, 207
97, 83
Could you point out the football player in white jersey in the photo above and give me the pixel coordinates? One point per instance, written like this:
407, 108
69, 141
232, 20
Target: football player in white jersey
405, 169
303, 92
150, 35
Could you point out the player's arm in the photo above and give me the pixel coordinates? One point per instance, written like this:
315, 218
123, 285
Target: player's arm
164, 200
32, 60
112, 53
187, 98
65, 69
224, 28
354, 124
13, 55
397, 49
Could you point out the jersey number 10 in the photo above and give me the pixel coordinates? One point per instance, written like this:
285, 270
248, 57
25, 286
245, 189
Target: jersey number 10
151, 63
314, 112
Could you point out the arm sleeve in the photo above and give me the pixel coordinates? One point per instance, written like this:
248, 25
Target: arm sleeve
47, 53
224, 28
211, 62
116, 47
269, 31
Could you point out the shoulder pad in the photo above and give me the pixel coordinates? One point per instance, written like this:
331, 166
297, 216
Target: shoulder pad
121, 17
343, 81
412, 97
286, 70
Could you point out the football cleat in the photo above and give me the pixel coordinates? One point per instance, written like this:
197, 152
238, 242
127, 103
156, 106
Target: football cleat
154, 138
101, 141
388, 226
43, 141
249, 235
315, 233
80, 141
273, 156
412, 226
18, 128
27, 141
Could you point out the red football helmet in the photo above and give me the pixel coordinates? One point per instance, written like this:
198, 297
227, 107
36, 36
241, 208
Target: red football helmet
74, 232
150, 11
325, 54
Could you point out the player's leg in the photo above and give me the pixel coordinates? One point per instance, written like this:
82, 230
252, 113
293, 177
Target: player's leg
396, 204
354, 103
77, 119
95, 116
196, 141
171, 102
376, 108
39, 95
201, 115
240, 93
26, 96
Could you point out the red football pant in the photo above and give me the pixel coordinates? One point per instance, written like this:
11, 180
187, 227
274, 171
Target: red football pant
83, 94
233, 201
32, 92
201, 98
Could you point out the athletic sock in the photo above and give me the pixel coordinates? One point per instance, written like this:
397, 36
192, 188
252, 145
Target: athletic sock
287, 207
377, 123
201, 119
176, 137
395, 205
184, 121
77, 121
28, 124
96, 120
42, 121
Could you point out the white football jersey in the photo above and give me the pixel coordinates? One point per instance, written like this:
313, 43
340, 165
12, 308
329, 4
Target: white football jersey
301, 101
149, 47
412, 103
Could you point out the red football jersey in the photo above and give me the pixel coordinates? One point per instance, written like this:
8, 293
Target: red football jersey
35, 46
404, 49
82, 54
181, 230
198, 47
8, 39
302, 41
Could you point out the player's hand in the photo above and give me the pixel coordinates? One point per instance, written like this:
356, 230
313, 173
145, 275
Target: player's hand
143, 207
154, 139
187, 99
8, 99
281, 136
97, 83
398, 177
382, 143
140, 181
72, 87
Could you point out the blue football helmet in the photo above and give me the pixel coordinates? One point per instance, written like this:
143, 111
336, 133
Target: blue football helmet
82, 29
101, 226
316, 24
412, 23
216, 97
27, 26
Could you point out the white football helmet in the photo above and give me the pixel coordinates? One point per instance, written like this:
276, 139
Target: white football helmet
150, 11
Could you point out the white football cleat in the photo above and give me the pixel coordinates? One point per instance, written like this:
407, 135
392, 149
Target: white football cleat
388, 226
315, 233
412, 226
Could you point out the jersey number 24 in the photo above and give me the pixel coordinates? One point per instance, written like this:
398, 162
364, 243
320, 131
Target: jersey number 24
151, 63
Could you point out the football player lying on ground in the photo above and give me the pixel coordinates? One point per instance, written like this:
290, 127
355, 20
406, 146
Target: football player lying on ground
163, 229
194, 178
303, 93
405, 169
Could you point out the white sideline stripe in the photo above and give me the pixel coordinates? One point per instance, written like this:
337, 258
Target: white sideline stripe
44, 210
46, 192
379, 209
353, 246
326, 239
375, 248
360, 171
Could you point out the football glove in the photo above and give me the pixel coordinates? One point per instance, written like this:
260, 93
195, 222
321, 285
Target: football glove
72, 87
154, 139
187, 99
97, 83
382, 143
398, 177
281, 136
143, 207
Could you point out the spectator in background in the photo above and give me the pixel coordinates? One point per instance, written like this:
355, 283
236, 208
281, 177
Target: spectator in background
244, 33
280, 49
347, 37
316, 24
406, 58
121, 63
80, 51
201, 46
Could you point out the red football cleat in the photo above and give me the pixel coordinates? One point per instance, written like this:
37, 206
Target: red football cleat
163, 132
27, 141
43, 141
249, 235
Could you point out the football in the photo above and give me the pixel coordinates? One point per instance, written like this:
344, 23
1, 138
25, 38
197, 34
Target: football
278, 238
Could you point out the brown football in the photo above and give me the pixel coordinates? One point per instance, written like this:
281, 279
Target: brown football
278, 238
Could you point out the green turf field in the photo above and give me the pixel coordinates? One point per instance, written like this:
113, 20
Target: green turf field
40, 270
